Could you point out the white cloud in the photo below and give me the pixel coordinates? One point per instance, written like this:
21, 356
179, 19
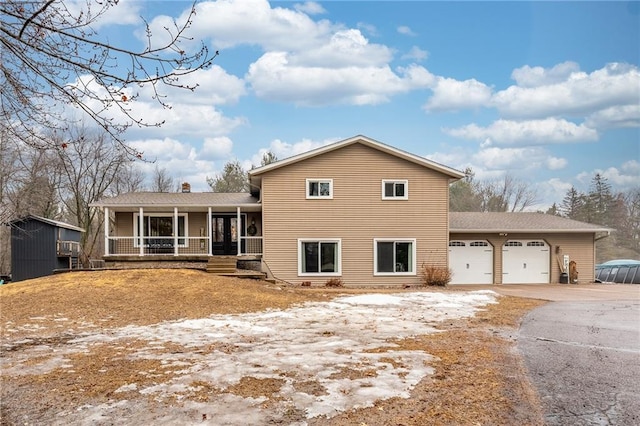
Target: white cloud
624, 177
416, 54
403, 29
495, 158
163, 149
555, 163
284, 150
310, 8
616, 116
538, 76
346, 48
217, 148
451, 94
273, 77
533, 132
254, 22
126, 12
577, 94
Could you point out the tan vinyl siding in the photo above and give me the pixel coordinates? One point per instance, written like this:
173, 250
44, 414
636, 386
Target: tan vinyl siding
356, 214
579, 246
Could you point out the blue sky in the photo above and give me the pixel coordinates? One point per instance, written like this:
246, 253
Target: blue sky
548, 92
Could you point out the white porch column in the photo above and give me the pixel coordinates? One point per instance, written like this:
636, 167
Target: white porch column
141, 230
238, 233
210, 249
175, 231
105, 211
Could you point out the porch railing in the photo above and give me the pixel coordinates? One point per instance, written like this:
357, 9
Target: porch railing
67, 248
130, 246
251, 245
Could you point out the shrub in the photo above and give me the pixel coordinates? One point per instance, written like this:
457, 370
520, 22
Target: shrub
435, 275
334, 282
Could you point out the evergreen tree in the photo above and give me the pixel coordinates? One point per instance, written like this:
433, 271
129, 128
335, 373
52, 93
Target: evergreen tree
232, 179
601, 201
463, 194
572, 205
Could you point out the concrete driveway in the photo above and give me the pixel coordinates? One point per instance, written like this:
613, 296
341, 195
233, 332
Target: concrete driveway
582, 352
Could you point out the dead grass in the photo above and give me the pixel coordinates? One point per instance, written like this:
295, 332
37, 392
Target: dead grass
479, 377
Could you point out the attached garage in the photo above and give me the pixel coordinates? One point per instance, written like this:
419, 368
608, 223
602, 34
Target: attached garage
525, 262
471, 262
527, 247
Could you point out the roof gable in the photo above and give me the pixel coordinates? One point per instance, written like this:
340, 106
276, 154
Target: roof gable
360, 139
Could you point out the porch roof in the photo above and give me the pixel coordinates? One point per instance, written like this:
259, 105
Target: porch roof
489, 222
184, 200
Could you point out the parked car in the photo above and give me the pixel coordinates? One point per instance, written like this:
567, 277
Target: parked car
622, 271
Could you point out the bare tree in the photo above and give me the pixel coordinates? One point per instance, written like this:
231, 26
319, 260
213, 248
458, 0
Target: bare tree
506, 195
52, 57
91, 165
129, 179
162, 181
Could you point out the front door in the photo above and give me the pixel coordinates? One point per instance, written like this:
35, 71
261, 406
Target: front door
224, 232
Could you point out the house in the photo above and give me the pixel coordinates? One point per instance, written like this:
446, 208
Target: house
40, 246
357, 210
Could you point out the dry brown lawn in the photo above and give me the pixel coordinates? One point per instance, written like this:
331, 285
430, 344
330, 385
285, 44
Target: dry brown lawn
479, 377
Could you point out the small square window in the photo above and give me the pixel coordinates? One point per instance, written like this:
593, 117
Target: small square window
320, 188
395, 189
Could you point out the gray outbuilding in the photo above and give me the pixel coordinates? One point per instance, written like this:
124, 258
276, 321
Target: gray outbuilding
40, 246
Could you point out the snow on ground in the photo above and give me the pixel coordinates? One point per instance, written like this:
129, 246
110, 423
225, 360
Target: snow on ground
312, 343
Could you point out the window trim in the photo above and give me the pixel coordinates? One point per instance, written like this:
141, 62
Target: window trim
405, 182
395, 240
136, 233
318, 197
338, 272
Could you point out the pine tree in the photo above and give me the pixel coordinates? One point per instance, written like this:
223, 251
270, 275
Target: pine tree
601, 201
573, 205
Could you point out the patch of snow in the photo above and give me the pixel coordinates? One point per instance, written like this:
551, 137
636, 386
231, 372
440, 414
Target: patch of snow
341, 346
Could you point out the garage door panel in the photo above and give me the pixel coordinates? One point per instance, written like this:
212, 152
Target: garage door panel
471, 262
525, 262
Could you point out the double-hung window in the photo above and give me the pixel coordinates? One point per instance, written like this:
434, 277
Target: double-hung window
394, 256
319, 188
319, 257
395, 189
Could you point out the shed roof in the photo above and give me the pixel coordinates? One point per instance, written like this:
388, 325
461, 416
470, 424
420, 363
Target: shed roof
483, 222
178, 199
52, 222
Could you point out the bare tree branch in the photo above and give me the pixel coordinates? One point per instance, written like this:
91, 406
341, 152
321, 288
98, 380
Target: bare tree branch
51, 58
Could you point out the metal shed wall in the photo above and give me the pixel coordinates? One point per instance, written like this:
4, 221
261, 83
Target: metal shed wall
33, 248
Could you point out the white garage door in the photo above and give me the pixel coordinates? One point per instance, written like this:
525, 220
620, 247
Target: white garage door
525, 262
471, 262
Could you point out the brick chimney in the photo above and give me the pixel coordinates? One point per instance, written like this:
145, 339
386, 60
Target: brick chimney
186, 187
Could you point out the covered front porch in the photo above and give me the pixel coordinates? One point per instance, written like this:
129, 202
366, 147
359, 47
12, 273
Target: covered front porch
187, 226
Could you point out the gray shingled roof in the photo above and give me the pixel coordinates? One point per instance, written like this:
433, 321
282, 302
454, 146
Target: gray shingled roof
177, 199
517, 222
